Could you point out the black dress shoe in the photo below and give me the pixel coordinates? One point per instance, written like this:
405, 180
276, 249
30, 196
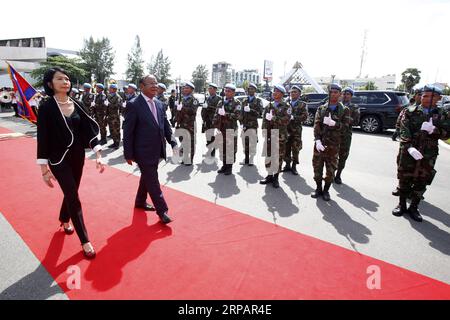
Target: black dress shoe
164, 218
338, 180
414, 213
146, 207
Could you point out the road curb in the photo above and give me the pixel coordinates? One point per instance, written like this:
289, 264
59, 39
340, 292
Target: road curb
444, 145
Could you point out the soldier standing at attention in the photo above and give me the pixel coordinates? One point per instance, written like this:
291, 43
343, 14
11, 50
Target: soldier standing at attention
329, 123
172, 106
161, 89
299, 113
101, 105
276, 117
415, 101
113, 115
346, 138
226, 118
87, 99
421, 127
251, 111
209, 112
185, 118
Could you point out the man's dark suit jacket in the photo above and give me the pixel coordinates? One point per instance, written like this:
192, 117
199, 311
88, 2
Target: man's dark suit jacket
144, 140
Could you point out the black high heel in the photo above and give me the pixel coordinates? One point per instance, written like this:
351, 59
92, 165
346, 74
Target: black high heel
67, 231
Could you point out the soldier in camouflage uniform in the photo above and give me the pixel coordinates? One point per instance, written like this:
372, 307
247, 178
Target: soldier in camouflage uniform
228, 111
417, 101
346, 138
113, 115
252, 108
130, 94
87, 99
421, 127
161, 97
100, 108
208, 113
172, 106
331, 119
185, 118
299, 113
276, 116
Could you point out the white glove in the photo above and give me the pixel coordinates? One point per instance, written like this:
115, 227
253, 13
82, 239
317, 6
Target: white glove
222, 111
124, 104
179, 106
176, 151
415, 153
319, 146
269, 116
93, 104
247, 108
428, 126
106, 102
328, 121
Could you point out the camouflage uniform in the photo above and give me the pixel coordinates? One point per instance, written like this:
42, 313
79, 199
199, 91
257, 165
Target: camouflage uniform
228, 121
299, 113
173, 109
346, 136
86, 101
208, 115
113, 116
415, 175
331, 139
280, 121
185, 119
162, 98
249, 120
100, 114
397, 123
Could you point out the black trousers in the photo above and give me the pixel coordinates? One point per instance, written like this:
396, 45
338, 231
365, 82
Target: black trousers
149, 184
68, 174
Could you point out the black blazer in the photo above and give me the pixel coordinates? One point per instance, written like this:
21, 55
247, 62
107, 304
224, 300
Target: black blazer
144, 140
54, 137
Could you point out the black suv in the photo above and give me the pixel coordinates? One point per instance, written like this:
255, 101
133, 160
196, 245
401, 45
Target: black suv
379, 109
313, 97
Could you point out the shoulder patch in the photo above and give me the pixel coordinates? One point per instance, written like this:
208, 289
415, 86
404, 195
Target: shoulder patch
289, 111
195, 102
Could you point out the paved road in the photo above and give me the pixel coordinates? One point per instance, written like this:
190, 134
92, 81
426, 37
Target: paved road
358, 217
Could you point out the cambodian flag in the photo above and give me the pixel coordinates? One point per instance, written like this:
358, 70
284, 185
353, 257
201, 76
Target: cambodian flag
24, 92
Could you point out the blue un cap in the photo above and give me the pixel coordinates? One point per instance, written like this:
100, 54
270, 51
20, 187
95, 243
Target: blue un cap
432, 88
87, 86
230, 86
162, 86
99, 85
280, 88
334, 86
113, 86
350, 90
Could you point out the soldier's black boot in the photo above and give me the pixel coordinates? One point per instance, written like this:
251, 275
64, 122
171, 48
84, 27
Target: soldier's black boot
326, 194
222, 170
401, 208
228, 169
338, 179
414, 211
275, 182
267, 179
294, 169
287, 167
396, 192
318, 192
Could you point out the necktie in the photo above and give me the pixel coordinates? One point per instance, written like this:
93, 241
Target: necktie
153, 109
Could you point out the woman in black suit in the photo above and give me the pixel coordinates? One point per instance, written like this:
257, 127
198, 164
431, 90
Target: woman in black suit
64, 130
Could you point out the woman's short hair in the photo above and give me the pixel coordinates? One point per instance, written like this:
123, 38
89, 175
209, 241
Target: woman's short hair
48, 77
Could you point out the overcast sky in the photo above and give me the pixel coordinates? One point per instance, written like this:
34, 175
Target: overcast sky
325, 36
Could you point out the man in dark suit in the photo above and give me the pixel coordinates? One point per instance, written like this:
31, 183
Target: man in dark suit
145, 132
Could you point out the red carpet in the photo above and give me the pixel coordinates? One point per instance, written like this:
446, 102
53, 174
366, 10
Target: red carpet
208, 252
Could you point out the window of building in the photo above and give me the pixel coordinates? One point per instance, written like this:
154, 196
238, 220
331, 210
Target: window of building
26, 42
14, 43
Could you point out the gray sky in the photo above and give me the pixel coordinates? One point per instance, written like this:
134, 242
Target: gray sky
325, 36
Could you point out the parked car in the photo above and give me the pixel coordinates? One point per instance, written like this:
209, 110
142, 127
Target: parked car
379, 109
313, 97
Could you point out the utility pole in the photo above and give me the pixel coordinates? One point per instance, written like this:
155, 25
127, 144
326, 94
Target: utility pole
363, 53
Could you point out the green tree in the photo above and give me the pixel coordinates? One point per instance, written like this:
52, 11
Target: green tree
410, 77
135, 68
401, 87
446, 91
160, 68
98, 57
370, 86
74, 67
245, 84
199, 77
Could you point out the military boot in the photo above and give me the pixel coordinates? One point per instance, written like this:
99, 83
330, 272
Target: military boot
294, 169
228, 169
318, 192
287, 167
223, 169
275, 182
401, 208
326, 194
267, 179
338, 179
414, 211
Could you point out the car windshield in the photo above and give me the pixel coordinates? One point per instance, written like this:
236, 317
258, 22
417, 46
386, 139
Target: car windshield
403, 99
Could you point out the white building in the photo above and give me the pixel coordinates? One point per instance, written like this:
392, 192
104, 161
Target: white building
386, 82
247, 75
222, 73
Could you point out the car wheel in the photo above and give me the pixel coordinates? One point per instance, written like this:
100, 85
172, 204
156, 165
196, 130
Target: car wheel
310, 120
371, 124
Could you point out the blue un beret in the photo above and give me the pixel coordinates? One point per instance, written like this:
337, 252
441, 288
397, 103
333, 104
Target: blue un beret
296, 87
432, 88
113, 86
101, 86
334, 86
162, 86
87, 86
280, 88
213, 85
350, 90
252, 85
132, 85
189, 84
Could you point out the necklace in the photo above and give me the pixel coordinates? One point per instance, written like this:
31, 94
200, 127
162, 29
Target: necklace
65, 102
